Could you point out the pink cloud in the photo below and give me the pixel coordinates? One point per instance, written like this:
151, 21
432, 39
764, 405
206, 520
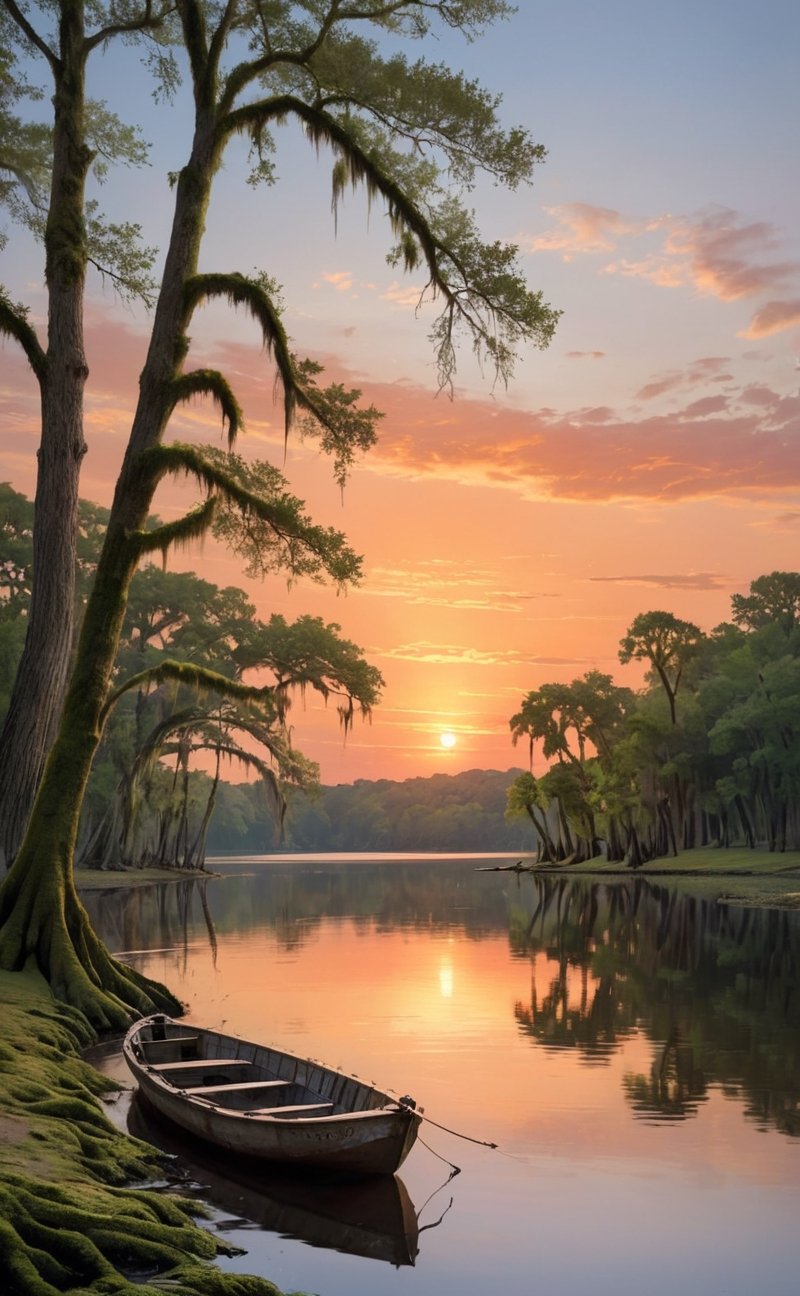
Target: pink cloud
742, 445
716, 253
723, 255
692, 454
581, 227
341, 280
773, 317
704, 370
659, 386
757, 395
705, 406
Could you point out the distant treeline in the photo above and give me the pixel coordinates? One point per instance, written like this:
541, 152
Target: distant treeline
708, 751
446, 812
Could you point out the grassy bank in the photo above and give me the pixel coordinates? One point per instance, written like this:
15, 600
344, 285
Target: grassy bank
736, 874
69, 1220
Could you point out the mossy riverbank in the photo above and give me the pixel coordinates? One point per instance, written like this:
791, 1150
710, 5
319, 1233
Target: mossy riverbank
69, 1219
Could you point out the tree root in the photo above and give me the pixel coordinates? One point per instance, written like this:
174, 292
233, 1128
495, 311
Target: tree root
42, 921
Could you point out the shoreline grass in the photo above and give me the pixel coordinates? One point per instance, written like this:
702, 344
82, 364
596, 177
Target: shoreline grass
734, 874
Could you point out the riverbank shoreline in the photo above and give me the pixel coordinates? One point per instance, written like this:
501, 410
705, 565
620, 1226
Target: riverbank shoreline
733, 875
80, 1208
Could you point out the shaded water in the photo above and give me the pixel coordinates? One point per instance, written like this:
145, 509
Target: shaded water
634, 1051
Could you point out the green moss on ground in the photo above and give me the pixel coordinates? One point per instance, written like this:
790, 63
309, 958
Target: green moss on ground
69, 1220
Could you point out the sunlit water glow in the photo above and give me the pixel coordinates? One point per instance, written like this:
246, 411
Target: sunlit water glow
634, 1052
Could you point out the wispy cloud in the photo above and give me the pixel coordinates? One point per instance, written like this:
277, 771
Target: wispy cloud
773, 317
432, 654
715, 252
426, 653
404, 294
782, 522
739, 441
684, 581
701, 372
459, 586
711, 446
581, 227
341, 280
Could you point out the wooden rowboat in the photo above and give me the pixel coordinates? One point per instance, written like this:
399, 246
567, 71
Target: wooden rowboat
251, 1100
372, 1217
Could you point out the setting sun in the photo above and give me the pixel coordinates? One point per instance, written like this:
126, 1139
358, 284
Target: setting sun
447, 739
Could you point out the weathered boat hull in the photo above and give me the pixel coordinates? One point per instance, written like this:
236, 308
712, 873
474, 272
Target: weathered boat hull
369, 1217
212, 1086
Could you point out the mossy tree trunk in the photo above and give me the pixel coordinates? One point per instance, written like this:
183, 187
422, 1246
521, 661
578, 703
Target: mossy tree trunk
41, 916
41, 678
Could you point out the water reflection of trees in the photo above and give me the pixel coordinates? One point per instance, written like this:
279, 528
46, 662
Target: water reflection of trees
714, 986
293, 901
161, 916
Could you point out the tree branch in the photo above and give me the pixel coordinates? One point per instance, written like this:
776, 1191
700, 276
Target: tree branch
479, 283
14, 324
333, 408
198, 677
210, 382
193, 526
33, 36
196, 38
147, 22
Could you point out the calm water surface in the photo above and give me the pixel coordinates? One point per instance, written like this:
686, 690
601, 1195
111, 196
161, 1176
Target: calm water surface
633, 1050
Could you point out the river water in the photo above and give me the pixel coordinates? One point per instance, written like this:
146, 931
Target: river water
632, 1049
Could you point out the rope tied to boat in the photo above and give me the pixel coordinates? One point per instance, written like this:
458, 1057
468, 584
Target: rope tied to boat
407, 1101
466, 1137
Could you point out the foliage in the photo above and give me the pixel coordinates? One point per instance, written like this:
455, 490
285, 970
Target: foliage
648, 779
458, 812
773, 599
161, 819
252, 68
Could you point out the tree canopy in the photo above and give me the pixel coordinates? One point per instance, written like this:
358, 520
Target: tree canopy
646, 778
414, 135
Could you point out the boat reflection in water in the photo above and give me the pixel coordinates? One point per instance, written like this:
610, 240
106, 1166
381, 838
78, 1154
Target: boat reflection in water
373, 1218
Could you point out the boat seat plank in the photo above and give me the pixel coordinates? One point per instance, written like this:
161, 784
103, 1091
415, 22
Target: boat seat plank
167, 1049
296, 1110
199, 1064
241, 1086
172, 1039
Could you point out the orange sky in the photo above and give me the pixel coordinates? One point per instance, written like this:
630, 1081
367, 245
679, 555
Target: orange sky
649, 459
